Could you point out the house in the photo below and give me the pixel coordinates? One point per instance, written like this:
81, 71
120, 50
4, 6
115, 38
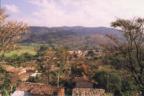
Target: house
20, 73
38, 89
85, 87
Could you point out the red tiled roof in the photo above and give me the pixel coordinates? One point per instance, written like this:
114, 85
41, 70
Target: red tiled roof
37, 88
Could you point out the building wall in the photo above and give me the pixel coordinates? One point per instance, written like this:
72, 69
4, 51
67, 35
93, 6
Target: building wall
21, 93
88, 92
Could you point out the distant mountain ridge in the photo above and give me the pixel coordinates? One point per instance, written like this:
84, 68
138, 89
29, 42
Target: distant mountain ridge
69, 36
76, 29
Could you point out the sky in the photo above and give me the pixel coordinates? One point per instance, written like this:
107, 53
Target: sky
90, 13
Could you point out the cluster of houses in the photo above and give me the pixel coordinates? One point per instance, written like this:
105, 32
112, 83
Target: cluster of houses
89, 54
82, 86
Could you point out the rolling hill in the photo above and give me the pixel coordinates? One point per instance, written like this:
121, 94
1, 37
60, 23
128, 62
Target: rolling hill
71, 37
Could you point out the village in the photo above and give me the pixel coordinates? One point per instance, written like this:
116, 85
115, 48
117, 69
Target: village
82, 85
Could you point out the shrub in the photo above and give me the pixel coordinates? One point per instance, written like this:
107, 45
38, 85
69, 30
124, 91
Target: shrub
129, 87
109, 81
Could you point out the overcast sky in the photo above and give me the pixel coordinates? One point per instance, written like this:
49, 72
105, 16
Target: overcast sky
90, 13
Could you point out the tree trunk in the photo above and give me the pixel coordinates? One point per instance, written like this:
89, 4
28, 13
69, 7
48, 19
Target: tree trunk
58, 79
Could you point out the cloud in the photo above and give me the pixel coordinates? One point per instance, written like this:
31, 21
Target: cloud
67, 12
12, 8
84, 12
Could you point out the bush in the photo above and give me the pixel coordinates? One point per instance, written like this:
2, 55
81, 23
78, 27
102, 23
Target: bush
108, 81
113, 83
117, 61
129, 87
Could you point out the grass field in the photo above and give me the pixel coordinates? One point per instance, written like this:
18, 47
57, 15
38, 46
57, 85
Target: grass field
22, 50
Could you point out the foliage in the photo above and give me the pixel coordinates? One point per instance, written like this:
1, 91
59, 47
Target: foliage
128, 84
53, 64
5, 87
10, 34
116, 60
129, 87
130, 51
77, 71
114, 83
109, 81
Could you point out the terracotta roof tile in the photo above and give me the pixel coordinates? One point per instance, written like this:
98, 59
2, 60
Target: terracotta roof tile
37, 88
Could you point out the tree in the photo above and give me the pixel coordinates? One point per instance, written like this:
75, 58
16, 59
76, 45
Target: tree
109, 81
131, 47
10, 34
53, 64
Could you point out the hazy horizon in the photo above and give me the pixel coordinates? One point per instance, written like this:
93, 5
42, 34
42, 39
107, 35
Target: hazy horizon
87, 13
